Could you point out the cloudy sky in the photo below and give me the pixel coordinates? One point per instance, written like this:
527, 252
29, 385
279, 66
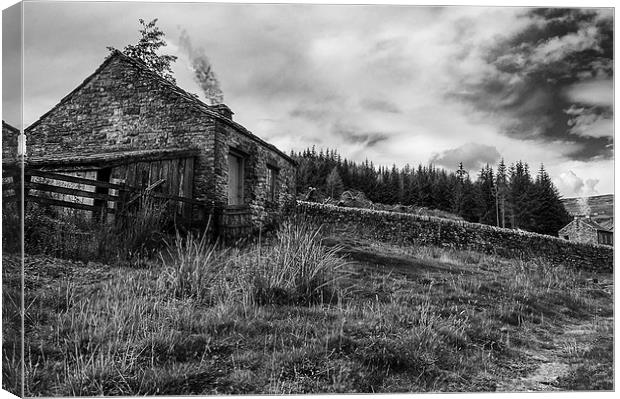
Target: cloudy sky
392, 84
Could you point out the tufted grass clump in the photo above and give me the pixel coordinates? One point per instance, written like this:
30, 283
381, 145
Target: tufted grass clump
298, 269
195, 267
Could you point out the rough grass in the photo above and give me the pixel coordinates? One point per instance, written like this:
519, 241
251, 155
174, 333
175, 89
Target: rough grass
11, 298
591, 370
11, 324
72, 234
304, 315
295, 269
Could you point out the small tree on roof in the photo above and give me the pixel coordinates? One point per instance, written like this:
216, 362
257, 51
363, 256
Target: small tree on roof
146, 50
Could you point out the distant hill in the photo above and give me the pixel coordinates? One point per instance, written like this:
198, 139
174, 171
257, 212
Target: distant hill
597, 206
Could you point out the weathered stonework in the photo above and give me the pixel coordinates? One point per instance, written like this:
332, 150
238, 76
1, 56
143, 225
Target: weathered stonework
258, 159
408, 229
9, 141
586, 231
125, 106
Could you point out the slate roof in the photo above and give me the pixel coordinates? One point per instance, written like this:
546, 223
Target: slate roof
607, 224
191, 100
594, 225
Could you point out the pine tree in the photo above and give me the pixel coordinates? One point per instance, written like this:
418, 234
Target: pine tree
334, 183
424, 186
486, 190
442, 191
501, 184
508, 198
520, 197
456, 205
549, 212
470, 208
461, 173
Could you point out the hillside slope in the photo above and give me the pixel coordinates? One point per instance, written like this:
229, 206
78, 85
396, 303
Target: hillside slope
598, 206
403, 319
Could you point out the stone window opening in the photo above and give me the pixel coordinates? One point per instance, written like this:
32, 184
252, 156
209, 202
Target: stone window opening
236, 163
605, 238
272, 177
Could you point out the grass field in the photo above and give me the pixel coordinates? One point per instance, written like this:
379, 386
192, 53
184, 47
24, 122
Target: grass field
311, 314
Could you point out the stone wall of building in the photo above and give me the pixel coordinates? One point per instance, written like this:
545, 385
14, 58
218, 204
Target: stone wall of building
9, 141
407, 229
257, 160
579, 231
124, 106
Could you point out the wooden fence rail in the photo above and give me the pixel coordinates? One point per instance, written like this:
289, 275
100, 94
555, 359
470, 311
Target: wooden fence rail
68, 204
78, 180
42, 192
72, 191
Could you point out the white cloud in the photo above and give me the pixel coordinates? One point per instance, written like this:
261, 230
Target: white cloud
472, 155
589, 123
578, 179
569, 182
277, 62
557, 47
598, 92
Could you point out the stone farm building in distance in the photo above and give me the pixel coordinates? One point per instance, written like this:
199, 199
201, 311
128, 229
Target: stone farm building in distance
593, 219
584, 229
125, 124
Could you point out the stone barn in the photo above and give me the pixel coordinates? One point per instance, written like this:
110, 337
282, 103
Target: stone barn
584, 229
124, 124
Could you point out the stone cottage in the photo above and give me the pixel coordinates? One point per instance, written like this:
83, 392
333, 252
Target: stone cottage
126, 124
584, 229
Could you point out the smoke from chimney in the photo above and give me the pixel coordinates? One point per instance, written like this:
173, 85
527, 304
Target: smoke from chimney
204, 75
584, 208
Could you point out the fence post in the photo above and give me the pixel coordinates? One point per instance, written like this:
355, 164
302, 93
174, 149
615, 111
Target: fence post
121, 208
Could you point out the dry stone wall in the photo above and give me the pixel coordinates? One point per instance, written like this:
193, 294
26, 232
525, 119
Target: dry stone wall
407, 229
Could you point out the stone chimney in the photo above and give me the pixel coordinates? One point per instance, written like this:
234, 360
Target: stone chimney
223, 110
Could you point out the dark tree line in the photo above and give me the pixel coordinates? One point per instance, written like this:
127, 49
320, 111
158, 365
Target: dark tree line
508, 196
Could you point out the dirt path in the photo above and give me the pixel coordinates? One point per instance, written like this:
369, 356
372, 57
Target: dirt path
552, 356
557, 358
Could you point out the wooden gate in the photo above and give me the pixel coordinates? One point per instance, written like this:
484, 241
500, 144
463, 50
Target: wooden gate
96, 197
